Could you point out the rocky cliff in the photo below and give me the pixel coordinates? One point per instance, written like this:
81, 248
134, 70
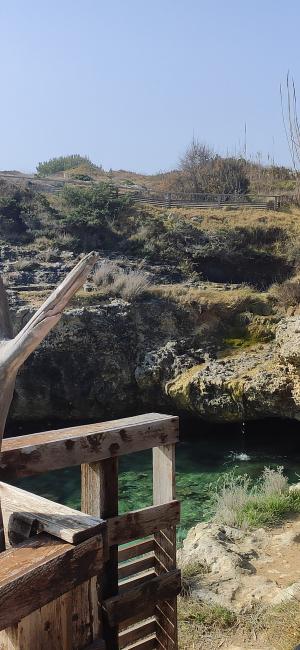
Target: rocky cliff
117, 357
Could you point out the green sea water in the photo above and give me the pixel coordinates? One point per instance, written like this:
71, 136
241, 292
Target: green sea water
205, 452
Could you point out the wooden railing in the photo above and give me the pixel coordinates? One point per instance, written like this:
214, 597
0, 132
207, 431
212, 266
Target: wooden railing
207, 200
90, 579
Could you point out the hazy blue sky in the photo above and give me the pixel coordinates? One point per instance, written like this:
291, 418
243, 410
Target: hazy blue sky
127, 82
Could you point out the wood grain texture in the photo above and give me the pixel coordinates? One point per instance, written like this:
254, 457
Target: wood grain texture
137, 632
120, 608
40, 570
140, 523
99, 496
134, 550
164, 489
25, 514
41, 452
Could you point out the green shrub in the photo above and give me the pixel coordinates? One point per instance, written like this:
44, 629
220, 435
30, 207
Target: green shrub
238, 502
62, 163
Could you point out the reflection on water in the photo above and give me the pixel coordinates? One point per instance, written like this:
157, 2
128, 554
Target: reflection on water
205, 452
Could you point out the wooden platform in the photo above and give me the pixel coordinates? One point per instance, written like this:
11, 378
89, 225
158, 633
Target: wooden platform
67, 582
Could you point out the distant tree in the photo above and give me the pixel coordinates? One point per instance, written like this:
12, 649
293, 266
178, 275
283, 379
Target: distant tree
63, 163
227, 176
197, 156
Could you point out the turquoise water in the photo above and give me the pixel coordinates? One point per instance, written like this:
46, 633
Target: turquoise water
204, 453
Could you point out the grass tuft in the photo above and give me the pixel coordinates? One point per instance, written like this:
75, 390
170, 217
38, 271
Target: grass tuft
237, 502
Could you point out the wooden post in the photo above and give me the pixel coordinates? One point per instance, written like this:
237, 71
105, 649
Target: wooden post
99, 497
165, 542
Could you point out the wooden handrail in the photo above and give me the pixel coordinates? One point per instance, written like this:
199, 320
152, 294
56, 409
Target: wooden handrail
41, 452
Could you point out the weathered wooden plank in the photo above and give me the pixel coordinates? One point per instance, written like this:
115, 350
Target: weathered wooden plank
99, 490
25, 514
135, 550
135, 566
41, 452
165, 540
120, 608
139, 523
137, 632
40, 570
135, 581
144, 644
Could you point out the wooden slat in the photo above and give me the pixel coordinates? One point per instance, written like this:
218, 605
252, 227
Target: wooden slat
41, 452
144, 644
25, 514
137, 632
137, 580
165, 540
135, 550
121, 607
139, 523
99, 496
40, 570
135, 566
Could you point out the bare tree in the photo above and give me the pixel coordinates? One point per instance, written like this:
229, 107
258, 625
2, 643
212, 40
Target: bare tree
289, 110
14, 350
197, 156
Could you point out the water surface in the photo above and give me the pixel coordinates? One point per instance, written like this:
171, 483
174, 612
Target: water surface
205, 452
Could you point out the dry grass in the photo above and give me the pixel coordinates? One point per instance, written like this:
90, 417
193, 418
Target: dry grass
287, 294
215, 219
125, 284
208, 627
210, 298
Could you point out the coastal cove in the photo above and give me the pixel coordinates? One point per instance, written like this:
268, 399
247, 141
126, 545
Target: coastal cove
206, 452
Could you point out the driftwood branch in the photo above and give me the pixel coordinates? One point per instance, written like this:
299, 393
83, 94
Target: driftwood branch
15, 350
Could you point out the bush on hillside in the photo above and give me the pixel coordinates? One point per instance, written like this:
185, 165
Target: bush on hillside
62, 163
287, 294
90, 213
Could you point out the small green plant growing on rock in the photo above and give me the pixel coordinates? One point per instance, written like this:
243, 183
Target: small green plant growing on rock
240, 503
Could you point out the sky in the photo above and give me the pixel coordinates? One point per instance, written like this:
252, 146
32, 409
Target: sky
130, 82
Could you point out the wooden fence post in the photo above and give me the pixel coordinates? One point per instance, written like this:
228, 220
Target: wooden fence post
99, 497
165, 542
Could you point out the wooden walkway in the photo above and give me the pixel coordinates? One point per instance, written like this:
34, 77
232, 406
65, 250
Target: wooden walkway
94, 579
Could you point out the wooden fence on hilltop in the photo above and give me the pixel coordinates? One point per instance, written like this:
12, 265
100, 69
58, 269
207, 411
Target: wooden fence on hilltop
93, 579
230, 201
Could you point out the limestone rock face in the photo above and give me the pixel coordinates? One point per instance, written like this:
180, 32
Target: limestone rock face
243, 568
119, 358
254, 383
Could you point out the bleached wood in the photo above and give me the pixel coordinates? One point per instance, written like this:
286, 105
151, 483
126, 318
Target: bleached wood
164, 489
41, 452
25, 514
15, 350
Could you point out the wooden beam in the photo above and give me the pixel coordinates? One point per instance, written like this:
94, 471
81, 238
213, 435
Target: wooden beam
25, 514
121, 608
134, 550
42, 452
99, 496
40, 570
140, 523
165, 540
